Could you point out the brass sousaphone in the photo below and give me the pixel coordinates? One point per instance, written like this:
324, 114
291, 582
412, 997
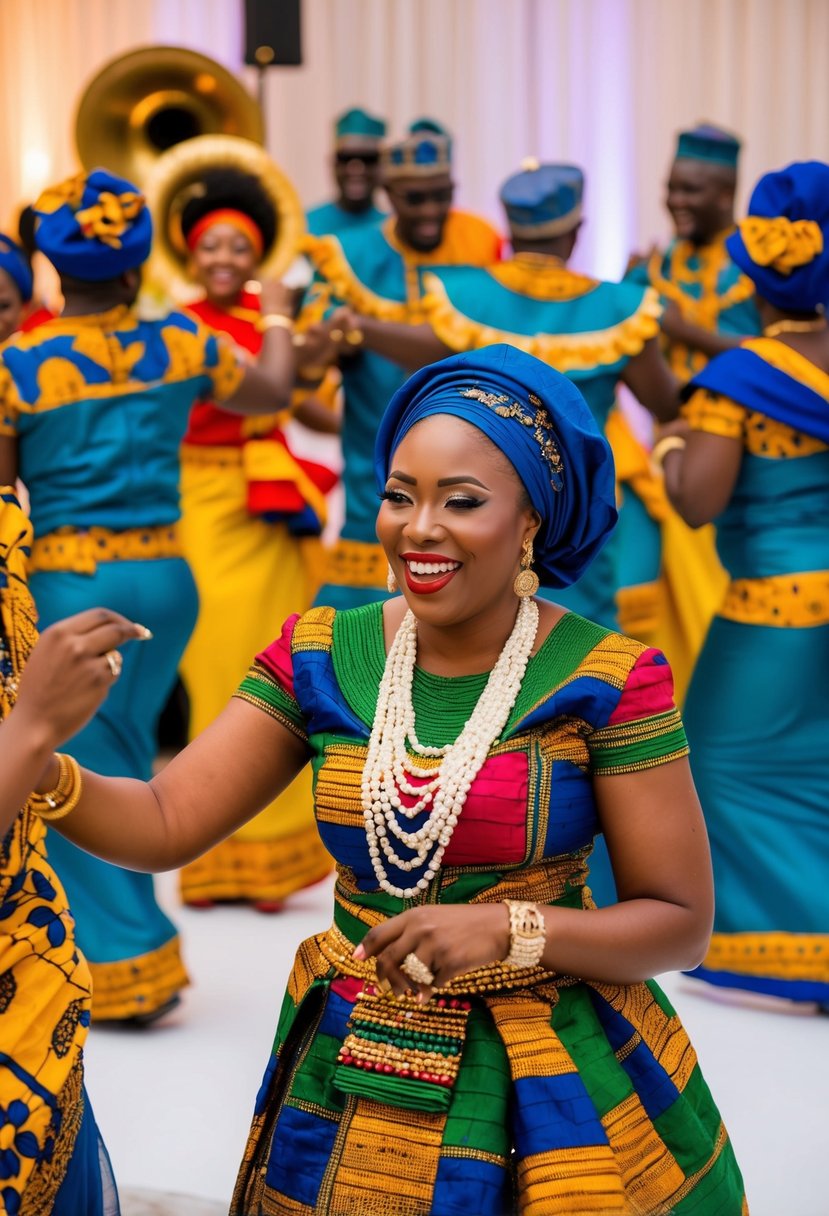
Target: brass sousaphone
143, 103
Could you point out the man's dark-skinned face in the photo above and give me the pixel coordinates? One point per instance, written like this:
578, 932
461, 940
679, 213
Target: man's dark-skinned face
700, 199
421, 205
356, 171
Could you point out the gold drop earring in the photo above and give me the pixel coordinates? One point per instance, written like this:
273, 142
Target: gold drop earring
391, 581
526, 580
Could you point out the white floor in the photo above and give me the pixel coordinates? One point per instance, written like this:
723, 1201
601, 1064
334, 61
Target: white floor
174, 1102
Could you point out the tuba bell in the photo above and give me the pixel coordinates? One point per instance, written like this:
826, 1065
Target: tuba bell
176, 177
141, 104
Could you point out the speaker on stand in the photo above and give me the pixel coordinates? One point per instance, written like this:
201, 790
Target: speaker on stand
273, 37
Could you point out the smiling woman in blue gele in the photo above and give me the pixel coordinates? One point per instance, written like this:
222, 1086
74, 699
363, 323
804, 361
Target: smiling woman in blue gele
470, 1034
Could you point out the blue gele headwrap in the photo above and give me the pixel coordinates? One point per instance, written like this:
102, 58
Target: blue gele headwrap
94, 227
542, 424
783, 244
16, 265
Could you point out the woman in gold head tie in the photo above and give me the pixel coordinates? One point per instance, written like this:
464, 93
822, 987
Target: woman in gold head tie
471, 1033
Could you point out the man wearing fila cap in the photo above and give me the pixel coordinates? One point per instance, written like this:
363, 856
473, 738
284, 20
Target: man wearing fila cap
356, 168
709, 301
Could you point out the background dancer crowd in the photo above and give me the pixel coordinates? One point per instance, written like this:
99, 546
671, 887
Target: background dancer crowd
582, 532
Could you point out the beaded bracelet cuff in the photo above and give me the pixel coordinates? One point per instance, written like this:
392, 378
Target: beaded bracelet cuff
66, 795
527, 934
274, 320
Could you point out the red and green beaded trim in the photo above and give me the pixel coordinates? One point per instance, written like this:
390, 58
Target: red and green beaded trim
403, 1053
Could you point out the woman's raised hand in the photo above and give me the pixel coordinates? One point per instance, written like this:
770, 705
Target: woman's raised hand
70, 671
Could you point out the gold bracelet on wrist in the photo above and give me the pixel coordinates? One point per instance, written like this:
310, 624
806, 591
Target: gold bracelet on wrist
65, 796
275, 320
527, 934
670, 443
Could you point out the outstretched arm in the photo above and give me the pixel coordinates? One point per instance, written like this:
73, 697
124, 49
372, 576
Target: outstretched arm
266, 388
658, 846
652, 382
65, 680
222, 779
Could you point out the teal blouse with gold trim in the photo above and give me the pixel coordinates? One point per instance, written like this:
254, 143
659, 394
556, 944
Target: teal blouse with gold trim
99, 405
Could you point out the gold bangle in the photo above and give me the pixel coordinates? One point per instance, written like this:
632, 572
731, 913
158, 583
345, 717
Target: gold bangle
355, 337
527, 934
66, 795
275, 320
670, 443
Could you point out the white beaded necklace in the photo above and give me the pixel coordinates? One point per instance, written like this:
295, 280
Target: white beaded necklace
388, 762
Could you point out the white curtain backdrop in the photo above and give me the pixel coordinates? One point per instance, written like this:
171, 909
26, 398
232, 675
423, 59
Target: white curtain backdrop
604, 83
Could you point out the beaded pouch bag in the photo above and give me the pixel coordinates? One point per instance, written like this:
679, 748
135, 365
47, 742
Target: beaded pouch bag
402, 1053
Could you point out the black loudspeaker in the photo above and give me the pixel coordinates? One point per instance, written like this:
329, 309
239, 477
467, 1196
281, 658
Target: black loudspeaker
272, 33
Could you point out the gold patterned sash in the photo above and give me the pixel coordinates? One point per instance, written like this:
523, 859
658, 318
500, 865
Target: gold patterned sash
788, 601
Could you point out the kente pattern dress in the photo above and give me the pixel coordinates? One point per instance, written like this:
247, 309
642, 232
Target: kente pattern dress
251, 517
52, 1159
758, 707
514, 1090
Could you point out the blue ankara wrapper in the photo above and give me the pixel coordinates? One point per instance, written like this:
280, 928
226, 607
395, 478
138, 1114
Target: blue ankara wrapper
542, 424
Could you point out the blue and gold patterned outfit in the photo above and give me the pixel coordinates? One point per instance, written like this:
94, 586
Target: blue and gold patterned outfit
758, 710
52, 1159
709, 289
554, 1095
98, 405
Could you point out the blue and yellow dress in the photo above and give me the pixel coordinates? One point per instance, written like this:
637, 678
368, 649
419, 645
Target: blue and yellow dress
375, 274
509, 1091
758, 707
98, 405
588, 330
52, 1158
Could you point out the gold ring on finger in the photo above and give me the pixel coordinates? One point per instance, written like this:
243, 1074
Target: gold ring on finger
417, 970
115, 661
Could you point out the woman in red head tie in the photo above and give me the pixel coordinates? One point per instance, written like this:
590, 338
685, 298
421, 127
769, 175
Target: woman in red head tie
251, 515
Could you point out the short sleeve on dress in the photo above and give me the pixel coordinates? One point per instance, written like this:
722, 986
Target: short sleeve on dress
645, 729
269, 684
714, 414
223, 365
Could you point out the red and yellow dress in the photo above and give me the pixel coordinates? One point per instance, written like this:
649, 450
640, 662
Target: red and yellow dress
250, 513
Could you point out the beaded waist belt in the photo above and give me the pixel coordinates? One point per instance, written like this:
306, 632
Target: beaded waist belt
789, 601
400, 1052
81, 551
355, 563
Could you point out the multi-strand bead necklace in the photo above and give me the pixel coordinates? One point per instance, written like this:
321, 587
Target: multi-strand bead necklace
443, 789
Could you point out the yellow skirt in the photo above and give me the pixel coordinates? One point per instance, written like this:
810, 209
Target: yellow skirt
251, 575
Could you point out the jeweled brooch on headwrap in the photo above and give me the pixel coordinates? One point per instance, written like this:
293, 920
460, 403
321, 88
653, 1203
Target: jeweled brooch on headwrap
533, 415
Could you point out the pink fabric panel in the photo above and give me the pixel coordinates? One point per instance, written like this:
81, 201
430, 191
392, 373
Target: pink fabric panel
649, 690
277, 659
492, 827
